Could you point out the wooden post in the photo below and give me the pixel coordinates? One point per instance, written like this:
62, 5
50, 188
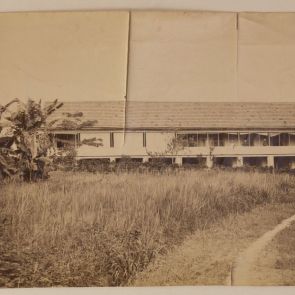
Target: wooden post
240, 161
178, 161
209, 162
270, 161
112, 159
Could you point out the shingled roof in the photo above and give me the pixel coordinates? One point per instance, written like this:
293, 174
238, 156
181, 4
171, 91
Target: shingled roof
186, 115
210, 115
108, 114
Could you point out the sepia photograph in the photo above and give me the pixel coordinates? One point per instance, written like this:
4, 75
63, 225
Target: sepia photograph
147, 148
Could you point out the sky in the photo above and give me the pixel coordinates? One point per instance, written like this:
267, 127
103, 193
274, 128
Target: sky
67, 55
173, 56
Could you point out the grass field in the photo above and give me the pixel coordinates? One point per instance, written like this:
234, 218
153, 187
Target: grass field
82, 229
208, 256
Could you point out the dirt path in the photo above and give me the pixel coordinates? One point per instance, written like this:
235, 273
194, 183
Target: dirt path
243, 269
207, 257
275, 265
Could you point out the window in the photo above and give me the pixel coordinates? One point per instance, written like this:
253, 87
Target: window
280, 139
254, 139
64, 140
284, 139
264, 140
274, 139
233, 138
223, 139
292, 138
244, 139
188, 140
214, 139
182, 138
192, 139
236, 138
202, 139
112, 143
259, 139
144, 139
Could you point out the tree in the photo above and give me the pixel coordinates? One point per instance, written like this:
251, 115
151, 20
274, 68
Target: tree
25, 140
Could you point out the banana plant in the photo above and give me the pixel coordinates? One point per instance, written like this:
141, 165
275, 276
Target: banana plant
25, 139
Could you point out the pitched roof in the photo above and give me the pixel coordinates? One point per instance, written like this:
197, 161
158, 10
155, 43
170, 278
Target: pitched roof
108, 114
184, 115
210, 115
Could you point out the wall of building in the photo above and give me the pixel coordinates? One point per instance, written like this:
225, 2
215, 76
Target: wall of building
133, 144
128, 144
103, 137
230, 152
157, 142
86, 151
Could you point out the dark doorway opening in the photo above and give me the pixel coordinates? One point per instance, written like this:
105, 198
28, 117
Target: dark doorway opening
225, 161
284, 162
193, 161
255, 161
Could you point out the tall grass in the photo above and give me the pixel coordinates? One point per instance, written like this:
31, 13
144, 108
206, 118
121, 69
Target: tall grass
99, 230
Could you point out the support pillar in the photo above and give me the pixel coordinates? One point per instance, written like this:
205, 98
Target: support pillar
240, 161
209, 162
178, 161
112, 159
270, 161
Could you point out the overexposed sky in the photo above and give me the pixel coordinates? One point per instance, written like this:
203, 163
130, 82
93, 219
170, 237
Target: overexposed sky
174, 56
212, 5
266, 63
65, 55
182, 56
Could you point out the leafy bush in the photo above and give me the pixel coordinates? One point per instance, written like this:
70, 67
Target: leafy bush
25, 142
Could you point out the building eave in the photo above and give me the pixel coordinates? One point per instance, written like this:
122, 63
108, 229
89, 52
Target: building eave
176, 129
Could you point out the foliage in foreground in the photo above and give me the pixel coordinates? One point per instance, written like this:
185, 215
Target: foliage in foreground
100, 230
27, 148
24, 139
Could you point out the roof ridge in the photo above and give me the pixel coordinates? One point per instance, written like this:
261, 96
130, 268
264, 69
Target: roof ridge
94, 101
216, 102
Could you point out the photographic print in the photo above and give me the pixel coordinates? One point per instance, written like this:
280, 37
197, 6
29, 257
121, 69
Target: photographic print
147, 148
